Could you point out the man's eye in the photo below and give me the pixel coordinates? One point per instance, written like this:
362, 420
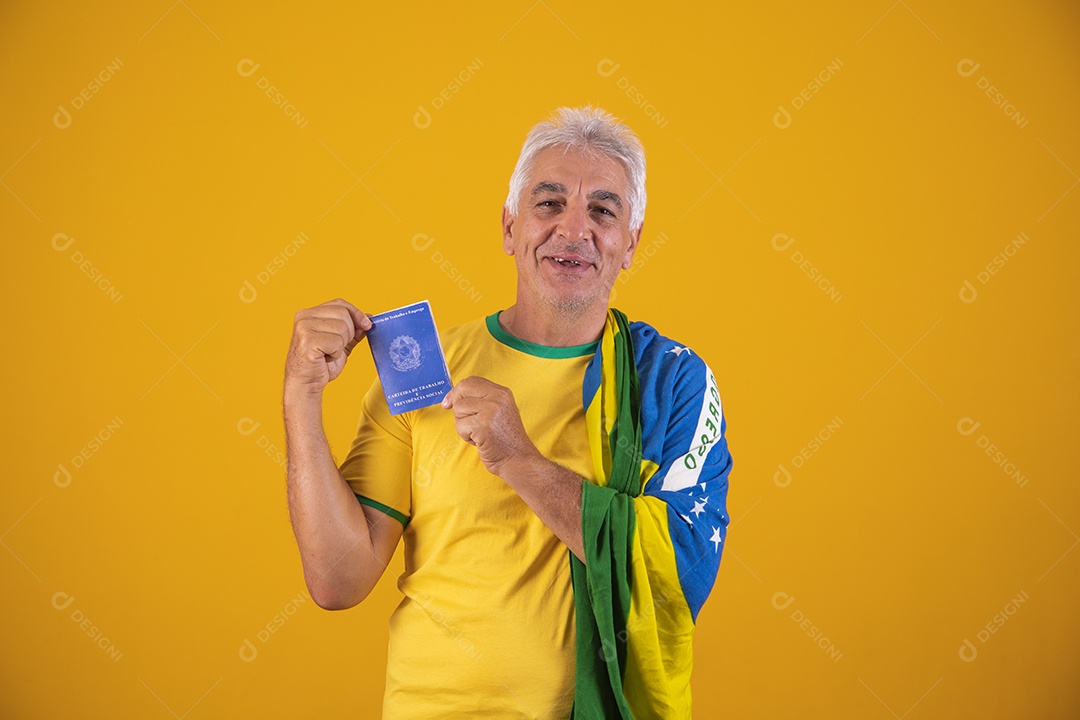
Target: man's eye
603, 210
547, 203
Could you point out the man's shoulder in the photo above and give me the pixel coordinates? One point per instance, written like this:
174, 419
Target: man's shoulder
650, 343
463, 341
663, 359
463, 332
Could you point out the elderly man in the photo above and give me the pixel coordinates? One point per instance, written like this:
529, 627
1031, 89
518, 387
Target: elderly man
564, 509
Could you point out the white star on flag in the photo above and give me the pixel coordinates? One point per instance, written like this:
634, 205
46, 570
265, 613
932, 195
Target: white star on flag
679, 350
699, 507
715, 539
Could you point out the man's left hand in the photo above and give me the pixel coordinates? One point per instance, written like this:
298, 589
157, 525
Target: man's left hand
487, 416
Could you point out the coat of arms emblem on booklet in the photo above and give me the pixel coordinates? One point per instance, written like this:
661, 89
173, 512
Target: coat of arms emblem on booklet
409, 357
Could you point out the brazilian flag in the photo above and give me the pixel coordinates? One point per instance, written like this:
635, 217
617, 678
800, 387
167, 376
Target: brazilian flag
653, 523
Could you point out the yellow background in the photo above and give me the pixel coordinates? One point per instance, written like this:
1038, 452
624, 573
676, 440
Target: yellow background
179, 180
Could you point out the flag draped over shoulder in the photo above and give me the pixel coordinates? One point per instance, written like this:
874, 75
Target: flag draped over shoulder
653, 523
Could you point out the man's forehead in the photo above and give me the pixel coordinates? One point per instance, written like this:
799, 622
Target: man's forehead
557, 164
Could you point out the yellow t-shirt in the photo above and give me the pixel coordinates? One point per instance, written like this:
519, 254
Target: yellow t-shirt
486, 628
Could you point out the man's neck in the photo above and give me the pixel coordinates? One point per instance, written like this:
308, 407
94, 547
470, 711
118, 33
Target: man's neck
556, 327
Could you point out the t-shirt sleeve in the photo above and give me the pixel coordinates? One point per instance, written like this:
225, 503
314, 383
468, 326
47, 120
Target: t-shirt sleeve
378, 467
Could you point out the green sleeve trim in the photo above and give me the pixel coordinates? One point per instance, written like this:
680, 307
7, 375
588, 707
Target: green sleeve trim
543, 351
384, 509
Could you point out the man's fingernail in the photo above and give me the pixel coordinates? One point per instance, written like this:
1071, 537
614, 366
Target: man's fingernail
446, 402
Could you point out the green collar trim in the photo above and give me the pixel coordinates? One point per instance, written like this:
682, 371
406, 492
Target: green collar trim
542, 351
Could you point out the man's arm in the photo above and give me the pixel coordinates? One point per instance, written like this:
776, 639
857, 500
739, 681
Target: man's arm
553, 493
344, 546
487, 417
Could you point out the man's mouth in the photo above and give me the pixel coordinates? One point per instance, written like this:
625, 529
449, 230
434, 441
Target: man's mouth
569, 262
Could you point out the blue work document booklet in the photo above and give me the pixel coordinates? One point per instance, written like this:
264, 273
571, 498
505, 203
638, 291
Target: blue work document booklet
409, 357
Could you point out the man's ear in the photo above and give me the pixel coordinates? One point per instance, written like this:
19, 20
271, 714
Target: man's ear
635, 238
508, 221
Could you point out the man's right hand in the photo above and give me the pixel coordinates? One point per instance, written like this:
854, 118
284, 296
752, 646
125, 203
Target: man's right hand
323, 337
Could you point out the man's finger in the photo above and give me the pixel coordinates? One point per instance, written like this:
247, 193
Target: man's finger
466, 429
361, 320
465, 406
450, 396
338, 326
324, 344
454, 395
475, 386
329, 324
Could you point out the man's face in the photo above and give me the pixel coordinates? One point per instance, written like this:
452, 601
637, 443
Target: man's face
571, 235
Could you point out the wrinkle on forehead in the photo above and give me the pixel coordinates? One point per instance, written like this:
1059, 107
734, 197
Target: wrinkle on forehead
602, 166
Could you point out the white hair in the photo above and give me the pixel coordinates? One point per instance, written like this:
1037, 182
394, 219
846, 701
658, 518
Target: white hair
591, 130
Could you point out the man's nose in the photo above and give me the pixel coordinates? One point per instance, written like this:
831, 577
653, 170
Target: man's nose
574, 222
